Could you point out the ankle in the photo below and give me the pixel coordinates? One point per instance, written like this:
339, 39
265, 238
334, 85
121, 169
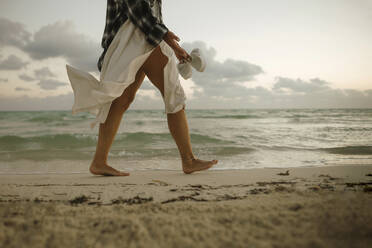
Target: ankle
188, 159
98, 163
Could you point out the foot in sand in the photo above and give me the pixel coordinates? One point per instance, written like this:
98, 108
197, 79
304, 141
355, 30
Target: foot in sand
192, 165
105, 170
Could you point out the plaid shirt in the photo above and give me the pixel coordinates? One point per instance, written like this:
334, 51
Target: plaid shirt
140, 13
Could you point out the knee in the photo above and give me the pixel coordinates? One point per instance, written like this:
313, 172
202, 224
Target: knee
124, 101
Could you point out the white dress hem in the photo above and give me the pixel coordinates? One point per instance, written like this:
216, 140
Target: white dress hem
126, 54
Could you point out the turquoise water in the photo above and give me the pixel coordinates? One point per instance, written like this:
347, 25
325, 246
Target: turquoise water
57, 141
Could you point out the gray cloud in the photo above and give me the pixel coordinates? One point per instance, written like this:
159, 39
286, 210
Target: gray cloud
26, 77
298, 85
22, 89
255, 97
315, 93
368, 93
61, 40
46, 81
55, 40
221, 82
43, 73
50, 84
13, 33
12, 63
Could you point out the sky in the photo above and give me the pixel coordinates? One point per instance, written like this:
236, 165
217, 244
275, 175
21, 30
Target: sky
260, 54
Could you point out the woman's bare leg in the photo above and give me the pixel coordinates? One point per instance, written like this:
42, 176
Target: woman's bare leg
107, 130
177, 122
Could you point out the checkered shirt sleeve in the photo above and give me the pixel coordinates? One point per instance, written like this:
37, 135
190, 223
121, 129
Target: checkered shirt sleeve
112, 12
140, 13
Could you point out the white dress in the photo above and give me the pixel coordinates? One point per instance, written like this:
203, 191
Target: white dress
124, 57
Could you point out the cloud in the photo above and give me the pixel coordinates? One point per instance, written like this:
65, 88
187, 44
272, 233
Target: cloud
220, 86
46, 81
50, 84
26, 77
22, 89
56, 40
314, 93
298, 85
13, 33
12, 63
43, 73
255, 97
45, 78
62, 40
289, 93
368, 93
3, 80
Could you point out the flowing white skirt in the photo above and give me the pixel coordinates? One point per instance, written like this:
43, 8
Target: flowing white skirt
124, 57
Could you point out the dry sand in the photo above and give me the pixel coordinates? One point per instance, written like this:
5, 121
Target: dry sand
310, 207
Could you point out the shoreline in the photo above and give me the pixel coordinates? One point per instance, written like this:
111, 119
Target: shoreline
159, 182
180, 169
310, 207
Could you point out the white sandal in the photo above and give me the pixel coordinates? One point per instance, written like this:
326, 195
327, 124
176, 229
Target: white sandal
198, 60
185, 70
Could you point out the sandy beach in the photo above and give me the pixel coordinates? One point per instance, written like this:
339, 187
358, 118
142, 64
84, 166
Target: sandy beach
278, 92
304, 207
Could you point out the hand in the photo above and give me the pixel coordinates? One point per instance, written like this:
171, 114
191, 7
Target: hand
172, 40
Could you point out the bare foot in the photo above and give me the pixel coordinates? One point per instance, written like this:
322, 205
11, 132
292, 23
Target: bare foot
105, 170
192, 165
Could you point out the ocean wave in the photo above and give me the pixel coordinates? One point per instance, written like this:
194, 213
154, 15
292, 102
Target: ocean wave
72, 141
342, 150
63, 141
345, 129
132, 153
146, 138
231, 150
45, 119
229, 117
281, 148
65, 118
349, 150
308, 120
291, 116
46, 155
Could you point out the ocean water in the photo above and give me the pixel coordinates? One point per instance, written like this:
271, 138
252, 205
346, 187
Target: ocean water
59, 142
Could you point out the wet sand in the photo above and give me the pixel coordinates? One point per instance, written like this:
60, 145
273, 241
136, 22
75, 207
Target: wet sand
306, 207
